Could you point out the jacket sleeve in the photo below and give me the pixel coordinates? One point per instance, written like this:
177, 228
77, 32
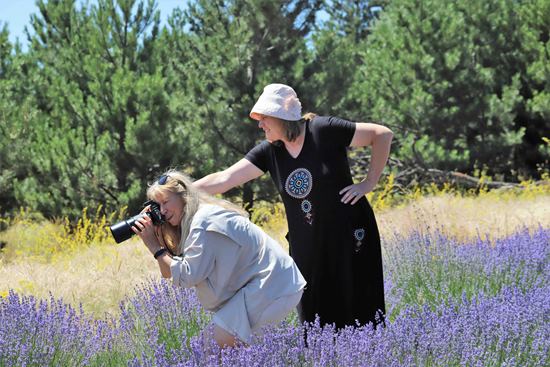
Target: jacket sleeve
197, 262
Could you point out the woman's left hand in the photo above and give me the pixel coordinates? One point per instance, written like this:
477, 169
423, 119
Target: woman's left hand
351, 194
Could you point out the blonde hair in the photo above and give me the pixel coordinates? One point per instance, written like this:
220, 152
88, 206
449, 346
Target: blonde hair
182, 185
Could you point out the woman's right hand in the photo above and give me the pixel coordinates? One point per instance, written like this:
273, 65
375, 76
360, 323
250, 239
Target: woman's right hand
148, 233
146, 230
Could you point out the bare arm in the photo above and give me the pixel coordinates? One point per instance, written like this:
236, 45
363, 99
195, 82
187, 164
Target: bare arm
379, 138
236, 175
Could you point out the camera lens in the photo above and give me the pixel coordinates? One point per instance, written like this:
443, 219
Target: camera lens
122, 230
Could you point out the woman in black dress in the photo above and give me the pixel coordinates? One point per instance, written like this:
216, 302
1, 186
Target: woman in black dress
333, 234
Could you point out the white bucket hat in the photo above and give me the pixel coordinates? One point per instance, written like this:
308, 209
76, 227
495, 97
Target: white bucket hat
278, 100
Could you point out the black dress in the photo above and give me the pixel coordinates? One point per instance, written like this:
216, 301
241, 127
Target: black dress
335, 245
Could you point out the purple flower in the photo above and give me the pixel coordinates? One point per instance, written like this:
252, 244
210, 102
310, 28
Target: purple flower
475, 304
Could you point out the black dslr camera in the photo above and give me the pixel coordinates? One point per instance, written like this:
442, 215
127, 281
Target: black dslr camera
123, 230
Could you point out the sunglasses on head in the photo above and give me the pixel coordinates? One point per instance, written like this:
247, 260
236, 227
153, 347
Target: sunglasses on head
164, 178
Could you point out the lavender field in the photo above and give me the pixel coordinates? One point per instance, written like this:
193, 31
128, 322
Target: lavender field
481, 303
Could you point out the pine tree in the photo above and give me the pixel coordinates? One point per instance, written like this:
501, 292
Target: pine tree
337, 55
232, 49
16, 112
452, 79
104, 125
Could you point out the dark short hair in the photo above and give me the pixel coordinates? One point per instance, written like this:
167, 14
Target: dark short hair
292, 128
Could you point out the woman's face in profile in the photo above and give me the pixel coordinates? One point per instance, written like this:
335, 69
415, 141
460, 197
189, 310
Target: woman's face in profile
272, 127
171, 206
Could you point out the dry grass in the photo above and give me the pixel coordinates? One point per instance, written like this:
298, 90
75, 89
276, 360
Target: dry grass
100, 276
466, 217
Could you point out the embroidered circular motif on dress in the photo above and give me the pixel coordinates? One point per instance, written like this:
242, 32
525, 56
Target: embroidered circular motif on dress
359, 234
306, 206
299, 183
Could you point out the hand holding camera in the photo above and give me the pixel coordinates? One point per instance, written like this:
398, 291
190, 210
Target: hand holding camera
122, 230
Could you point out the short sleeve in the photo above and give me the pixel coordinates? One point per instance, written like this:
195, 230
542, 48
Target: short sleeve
335, 129
259, 155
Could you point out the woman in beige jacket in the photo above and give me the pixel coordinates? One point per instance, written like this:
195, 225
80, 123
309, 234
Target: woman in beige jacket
238, 271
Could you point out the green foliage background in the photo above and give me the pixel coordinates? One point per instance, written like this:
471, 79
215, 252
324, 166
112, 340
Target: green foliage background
104, 99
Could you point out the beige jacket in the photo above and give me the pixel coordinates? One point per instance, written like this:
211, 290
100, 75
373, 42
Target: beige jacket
236, 268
